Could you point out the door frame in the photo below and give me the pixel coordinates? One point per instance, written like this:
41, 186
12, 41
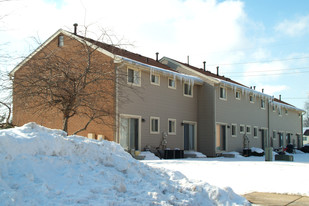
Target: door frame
226, 137
195, 133
139, 127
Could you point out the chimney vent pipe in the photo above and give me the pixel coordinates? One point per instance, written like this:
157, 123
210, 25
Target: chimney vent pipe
254, 87
75, 28
157, 56
217, 70
188, 58
204, 65
280, 97
262, 90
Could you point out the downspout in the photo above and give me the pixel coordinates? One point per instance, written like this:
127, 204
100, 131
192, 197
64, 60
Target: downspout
116, 106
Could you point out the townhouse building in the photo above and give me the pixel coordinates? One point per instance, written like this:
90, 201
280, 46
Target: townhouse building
172, 104
232, 116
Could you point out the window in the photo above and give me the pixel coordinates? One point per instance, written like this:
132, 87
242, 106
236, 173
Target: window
262, 103
234, 130
279, 111
242, 128
134, 77
187, 89
286, 112
248, 129
155, 79
60, 41
255, 132
172, 126
171, 83
251, 98
222, 93
154, 125
274, 134
237, 95
274, 108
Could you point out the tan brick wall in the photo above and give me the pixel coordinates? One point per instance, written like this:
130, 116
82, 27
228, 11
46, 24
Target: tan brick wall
51, 117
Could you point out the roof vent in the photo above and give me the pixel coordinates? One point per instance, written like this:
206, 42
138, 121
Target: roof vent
188, 58
75, 28
217, 70
157, 56
204, 62
280, 97
262, 90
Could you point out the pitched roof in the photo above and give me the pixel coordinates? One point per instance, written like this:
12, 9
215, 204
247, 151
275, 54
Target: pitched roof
209, 74
130, 55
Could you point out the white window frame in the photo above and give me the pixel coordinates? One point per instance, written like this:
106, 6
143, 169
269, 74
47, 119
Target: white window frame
134, 77
189, 86
156, 77
255, 134
251, 95
239, 95
243, 126
248, 127
224, 93
263, 104
274, 108
274, 132
280, 111
235, 126
168, 126
151, 129
168, 83
286, 111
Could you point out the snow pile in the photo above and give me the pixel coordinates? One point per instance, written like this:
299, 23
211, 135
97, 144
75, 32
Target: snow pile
40, 166
196, 154
149, 155
257, 150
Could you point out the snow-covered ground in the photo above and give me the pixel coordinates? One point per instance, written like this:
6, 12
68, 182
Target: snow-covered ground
40, 166
245, 174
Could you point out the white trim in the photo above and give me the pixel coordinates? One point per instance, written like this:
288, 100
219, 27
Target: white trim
264, 105
244, 130
168, 83
225, 93
190, 86
239, 97
140, 77
235, 125
248, 126
150, 127
251, 95
168, 126
139, 127
195, 132
257, 132
154, 83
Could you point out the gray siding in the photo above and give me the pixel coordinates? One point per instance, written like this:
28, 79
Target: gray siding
163, 102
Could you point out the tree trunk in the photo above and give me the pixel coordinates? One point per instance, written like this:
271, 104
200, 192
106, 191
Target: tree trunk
65, 124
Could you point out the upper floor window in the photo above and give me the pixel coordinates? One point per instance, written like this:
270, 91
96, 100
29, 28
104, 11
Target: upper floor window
279, 111
255, 131
222, 93
286, 112
248, 129
251, 98
237, 95
60, 41
242, 128
155, 79
171, 83
187, 89
134, 77
263, 103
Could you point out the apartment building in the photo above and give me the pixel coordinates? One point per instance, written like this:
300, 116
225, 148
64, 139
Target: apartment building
232, 116
172, 104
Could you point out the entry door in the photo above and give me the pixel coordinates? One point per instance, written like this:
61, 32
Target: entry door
189, 136
129, 132
221, 137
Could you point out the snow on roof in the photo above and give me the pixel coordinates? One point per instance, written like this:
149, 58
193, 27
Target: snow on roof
42, 166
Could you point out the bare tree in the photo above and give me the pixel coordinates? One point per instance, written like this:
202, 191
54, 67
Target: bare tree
72, 78
306, 116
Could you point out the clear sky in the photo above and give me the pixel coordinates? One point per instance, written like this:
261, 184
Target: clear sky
262, 43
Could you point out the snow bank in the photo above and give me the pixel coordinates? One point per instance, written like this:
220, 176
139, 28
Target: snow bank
40, 166
257, 150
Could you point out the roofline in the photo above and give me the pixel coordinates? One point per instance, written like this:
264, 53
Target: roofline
188, 68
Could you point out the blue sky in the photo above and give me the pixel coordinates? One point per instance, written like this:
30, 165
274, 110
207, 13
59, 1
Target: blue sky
259, 43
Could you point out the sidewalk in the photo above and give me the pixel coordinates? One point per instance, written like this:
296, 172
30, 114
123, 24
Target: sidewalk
260, 198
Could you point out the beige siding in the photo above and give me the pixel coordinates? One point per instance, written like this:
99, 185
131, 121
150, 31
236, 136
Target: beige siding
159, 101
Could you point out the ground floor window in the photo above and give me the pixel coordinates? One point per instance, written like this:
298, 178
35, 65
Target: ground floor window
154, 125
172, 126
234, 130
